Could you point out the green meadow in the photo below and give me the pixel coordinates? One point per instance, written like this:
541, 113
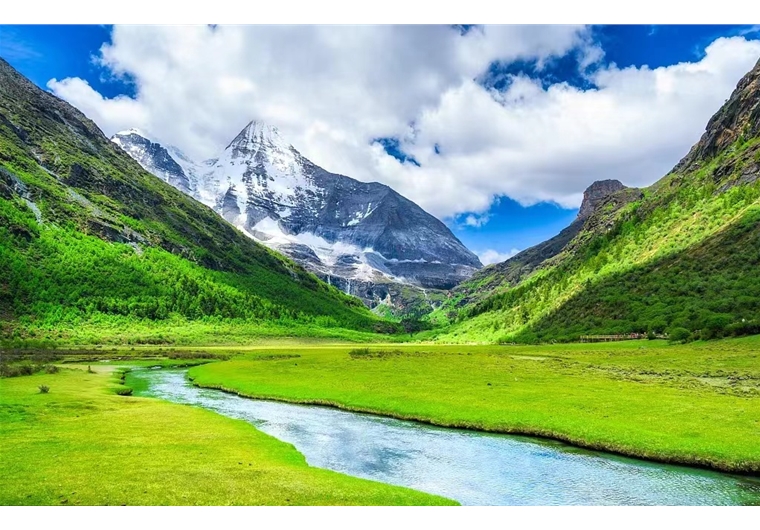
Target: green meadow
81, 443
695, 404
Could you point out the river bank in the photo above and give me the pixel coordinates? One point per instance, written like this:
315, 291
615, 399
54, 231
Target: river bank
474, 468
696, 405
81, 443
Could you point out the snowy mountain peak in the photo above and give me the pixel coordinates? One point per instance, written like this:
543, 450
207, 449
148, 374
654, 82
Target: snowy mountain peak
260, 175
257, 135
133, 130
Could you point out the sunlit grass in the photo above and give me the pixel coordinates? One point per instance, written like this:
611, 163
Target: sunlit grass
697, 404
83, 444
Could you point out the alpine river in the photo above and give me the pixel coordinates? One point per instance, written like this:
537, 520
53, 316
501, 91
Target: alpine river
471, 467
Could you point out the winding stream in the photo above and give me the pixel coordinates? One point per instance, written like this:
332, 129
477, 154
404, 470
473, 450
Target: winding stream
470, 467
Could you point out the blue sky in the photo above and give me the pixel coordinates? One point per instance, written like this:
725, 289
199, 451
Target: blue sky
46, 52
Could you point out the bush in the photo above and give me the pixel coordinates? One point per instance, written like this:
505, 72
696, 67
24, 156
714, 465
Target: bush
44, 389
197, 355
738, 329
387, 328
524, 337
16, 370
124, 391
51, 369
679, 335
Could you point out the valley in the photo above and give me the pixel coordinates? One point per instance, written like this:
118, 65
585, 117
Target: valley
695, 404
158, 314
471, 467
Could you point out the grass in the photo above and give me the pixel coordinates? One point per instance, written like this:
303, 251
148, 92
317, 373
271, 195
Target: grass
123, 331
81, 443
695, 404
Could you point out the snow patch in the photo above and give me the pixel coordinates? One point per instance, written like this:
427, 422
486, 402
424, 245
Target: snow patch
133, 130
268, 232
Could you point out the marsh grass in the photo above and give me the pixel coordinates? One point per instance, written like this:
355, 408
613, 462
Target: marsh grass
366, 353
25, 368
275, 357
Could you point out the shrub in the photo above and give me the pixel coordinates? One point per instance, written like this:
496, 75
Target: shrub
51, 369
197, 355
679, 335
44, 389
124, 391
16, 370
751, 327
414, 325
387, 328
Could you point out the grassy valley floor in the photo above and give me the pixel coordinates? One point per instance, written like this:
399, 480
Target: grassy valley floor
83, 444
695, 404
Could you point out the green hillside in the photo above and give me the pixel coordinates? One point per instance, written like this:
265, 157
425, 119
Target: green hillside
682, 256
93, 247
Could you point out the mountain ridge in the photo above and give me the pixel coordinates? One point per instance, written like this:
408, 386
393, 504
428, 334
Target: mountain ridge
511, 271
362, 236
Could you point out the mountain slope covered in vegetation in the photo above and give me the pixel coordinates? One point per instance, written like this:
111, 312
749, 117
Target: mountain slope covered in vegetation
89, 240
682, 257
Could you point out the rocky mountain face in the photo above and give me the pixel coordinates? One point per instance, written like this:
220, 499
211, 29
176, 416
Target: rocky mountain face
362, 237
738, 118
737, 124
153, 158
595, 194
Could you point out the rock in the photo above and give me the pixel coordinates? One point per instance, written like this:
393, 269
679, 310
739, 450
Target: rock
153, 157
596, 193
738, 117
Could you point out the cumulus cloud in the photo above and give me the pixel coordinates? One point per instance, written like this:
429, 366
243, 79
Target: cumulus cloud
333, 90
490, 256
104, 112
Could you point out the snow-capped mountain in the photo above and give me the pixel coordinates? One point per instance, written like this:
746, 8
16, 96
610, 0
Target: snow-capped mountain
153, 157
356, 235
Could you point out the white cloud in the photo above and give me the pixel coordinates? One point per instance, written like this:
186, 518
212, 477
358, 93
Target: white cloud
490, 256
332, 90
475, 220
104, 112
